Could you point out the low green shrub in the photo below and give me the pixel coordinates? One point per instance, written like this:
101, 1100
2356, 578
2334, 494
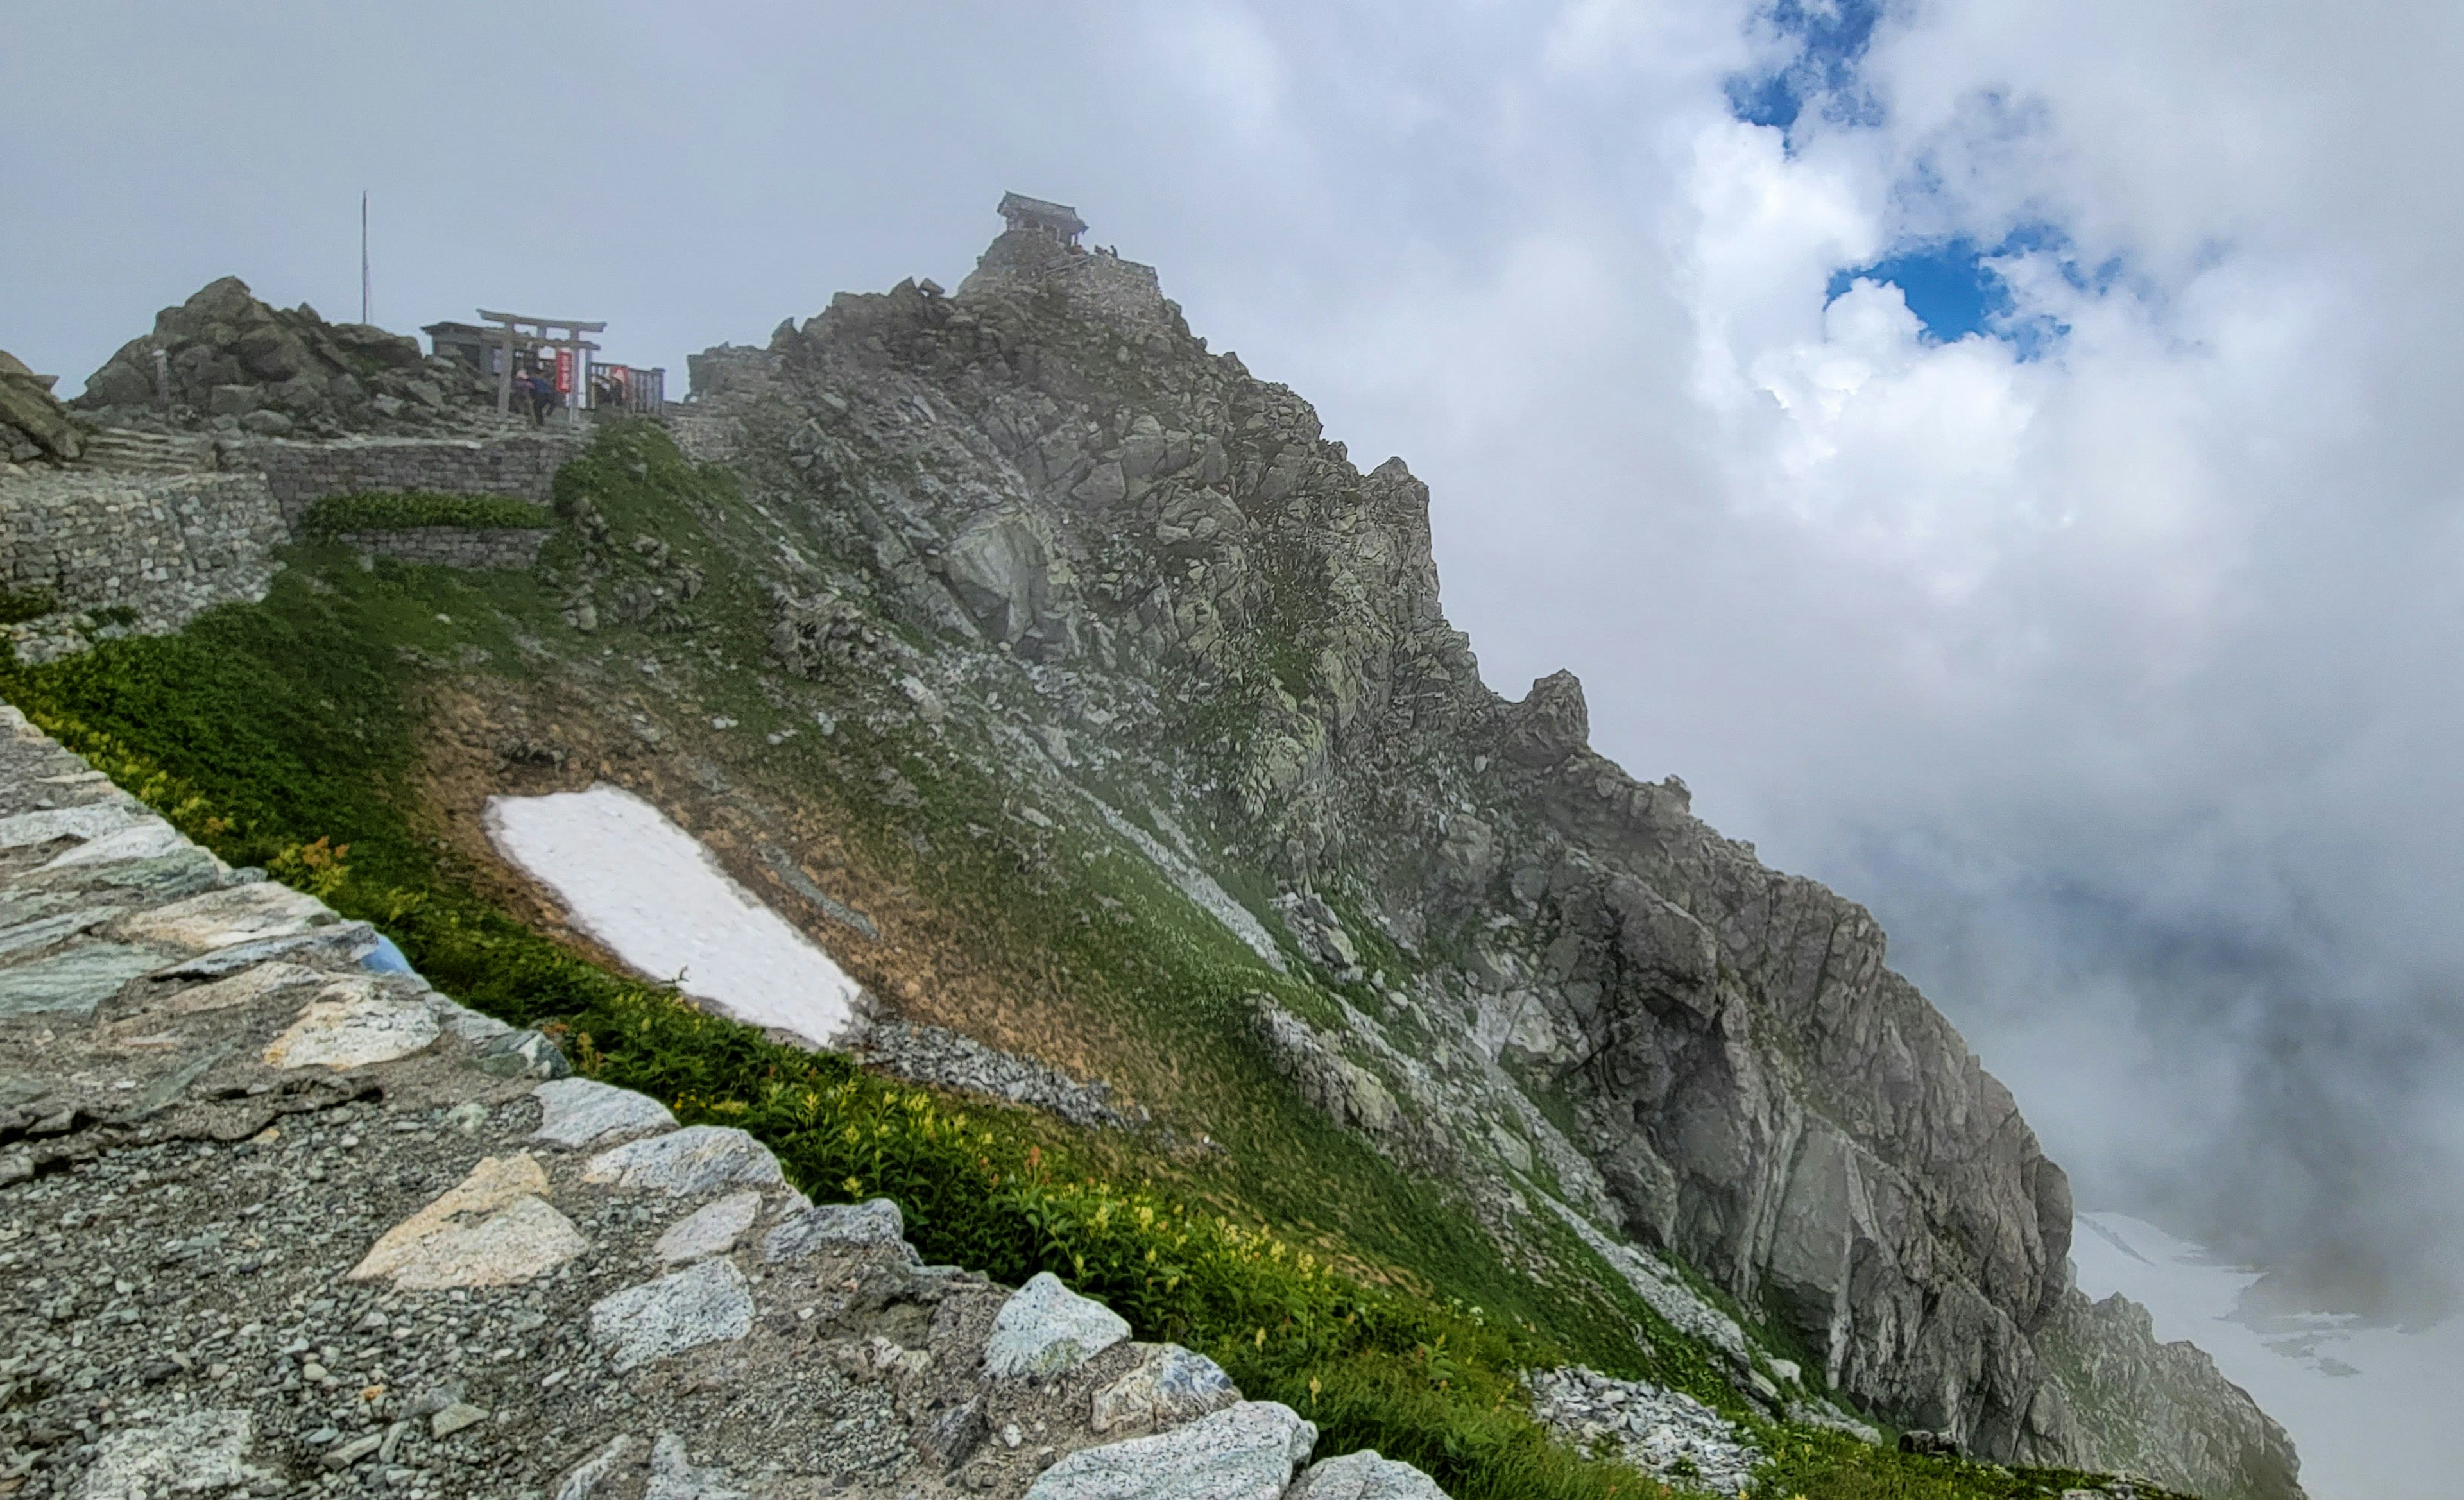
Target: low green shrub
336, 513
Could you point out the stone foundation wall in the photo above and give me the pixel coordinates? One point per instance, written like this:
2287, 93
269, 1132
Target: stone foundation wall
299, 474
167, 547
704, 434
453, 546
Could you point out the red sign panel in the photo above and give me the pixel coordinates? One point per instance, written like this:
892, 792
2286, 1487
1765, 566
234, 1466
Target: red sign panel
565, 371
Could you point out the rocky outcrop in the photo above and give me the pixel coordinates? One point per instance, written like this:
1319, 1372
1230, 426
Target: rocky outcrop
272, 1223
225, 362
1049, 467
32, 423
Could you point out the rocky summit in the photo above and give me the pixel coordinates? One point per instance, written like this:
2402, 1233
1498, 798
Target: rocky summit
1402, 1058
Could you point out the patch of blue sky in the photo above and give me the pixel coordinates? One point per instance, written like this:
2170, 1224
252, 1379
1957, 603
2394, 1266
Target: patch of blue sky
1955, 286
1829, 37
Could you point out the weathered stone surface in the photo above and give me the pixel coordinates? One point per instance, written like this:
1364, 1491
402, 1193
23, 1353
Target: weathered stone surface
696, 1159
712, 1229
1364, 1476
74, 980
85, 822
1243, 1452
196, 1453
874, 1221
245, 988
147, 838
221, 919
352, 1025
706, 1303
39, 933
1170, 1386
581, 1112
494, 1229
335, 943
1046, 1329
674, 1475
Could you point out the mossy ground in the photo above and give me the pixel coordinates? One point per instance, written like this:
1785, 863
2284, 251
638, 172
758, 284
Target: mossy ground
288, 735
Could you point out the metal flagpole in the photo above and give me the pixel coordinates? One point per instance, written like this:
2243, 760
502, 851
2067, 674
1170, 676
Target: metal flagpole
363, 254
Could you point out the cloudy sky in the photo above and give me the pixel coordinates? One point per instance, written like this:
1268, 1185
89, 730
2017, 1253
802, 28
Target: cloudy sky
2001, 455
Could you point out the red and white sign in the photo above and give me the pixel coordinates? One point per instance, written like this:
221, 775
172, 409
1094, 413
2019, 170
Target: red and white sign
565, 371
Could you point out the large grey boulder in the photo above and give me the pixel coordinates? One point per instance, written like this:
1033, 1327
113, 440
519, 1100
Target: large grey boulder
1364, 1475
687, 1162
582, 1111
1244, 1452
874, 1221
1046, 1329
706, 1303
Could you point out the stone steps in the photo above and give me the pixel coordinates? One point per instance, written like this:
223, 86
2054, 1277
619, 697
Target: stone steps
126, 450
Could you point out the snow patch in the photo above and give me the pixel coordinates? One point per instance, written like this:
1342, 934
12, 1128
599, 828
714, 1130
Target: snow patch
652, 894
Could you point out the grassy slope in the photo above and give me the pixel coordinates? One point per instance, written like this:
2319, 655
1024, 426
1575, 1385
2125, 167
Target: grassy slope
283, 734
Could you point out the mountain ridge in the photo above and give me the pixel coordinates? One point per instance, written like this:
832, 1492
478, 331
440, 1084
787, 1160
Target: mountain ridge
1033, 542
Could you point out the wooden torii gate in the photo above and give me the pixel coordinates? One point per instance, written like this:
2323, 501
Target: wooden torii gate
577, 348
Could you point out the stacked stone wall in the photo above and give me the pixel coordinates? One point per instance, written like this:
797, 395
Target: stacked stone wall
453, 546
166, 548
299, 474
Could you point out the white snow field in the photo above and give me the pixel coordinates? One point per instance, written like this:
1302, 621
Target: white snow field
2374, 1410
652, 894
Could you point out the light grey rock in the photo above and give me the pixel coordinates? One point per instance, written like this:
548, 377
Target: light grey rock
696, 1159
31, 937
595, 1473
874, 1221
454, 1419
1662, 1432
953, 1436
201, 1452
352, 1024
335, 946
706, 1303
73, 982
1243, 1452
494, 1228
243, 988
222, 918
84, 822
1045, 1329
1167, 1387
1364, 1476
519, 1054
582, 1111
712, 1229
461, 1020
673, 1476
147, 838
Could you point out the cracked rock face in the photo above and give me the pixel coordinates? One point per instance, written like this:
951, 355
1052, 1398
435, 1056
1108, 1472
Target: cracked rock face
1141, 544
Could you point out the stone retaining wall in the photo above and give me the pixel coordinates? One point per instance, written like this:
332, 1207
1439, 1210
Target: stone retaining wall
454, 547
167, 547
274, 1224
521, 466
